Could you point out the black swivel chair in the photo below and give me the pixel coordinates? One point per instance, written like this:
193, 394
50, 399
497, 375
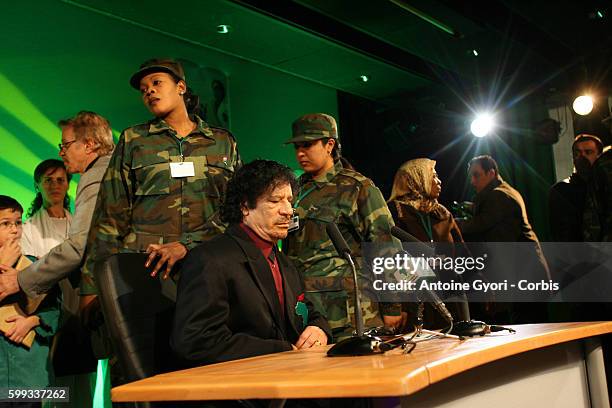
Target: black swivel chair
138, 312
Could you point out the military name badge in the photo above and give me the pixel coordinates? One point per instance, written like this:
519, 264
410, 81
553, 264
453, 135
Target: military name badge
294, 224
182, 169
301, 309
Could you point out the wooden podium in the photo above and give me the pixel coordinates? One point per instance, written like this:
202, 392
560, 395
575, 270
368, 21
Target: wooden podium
552, 364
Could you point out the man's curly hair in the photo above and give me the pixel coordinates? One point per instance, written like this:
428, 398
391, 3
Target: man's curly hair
251, 182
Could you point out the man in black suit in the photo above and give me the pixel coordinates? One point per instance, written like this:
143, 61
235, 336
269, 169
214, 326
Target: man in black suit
566, 198
500, 215
238, 295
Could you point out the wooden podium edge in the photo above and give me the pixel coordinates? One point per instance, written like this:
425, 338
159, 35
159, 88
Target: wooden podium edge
458, 363
463, 356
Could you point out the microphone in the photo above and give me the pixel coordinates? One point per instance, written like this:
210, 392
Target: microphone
465, 328
338, 240
359, 344
344, 251
427, 250
407, 237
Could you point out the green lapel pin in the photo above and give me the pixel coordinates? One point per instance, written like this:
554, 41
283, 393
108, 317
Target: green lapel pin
302, 310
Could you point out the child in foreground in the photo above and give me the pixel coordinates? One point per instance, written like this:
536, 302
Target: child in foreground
24, 339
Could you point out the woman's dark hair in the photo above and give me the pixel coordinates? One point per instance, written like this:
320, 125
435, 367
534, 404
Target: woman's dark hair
9, 203
337, 154
192, 102
251, 182
39, 172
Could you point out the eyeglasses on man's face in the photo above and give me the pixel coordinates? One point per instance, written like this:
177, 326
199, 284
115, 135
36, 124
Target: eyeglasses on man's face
65, 145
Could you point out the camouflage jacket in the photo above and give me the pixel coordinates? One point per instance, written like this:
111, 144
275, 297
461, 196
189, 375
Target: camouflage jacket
140, 203
357, 206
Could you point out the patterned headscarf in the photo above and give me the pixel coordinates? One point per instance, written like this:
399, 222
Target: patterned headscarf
412, 185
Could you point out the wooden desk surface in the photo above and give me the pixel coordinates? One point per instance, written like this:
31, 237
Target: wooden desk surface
310, 374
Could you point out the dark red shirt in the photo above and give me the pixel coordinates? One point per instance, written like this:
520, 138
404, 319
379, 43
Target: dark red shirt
266, 249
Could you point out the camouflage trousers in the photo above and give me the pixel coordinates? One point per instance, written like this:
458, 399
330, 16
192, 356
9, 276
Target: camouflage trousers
334, 298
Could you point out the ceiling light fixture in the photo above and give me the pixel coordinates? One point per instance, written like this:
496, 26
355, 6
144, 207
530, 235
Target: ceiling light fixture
223, 28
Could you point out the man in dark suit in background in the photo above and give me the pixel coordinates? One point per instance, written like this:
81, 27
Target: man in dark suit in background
238, 296
499, 215
566, 198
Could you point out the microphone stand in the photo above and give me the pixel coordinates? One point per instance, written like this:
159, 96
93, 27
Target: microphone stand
419, 330
358, 311
461, 329
359, 344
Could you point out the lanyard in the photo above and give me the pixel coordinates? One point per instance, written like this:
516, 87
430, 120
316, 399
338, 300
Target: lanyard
302, 195
181, 140
426, 222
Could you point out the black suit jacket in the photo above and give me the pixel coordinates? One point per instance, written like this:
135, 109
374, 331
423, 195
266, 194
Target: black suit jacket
565, 209
227, 306
499, 216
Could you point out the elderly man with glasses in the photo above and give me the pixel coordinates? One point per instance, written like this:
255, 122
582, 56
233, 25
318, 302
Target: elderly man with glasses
87, 144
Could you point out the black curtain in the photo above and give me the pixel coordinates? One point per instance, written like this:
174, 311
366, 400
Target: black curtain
377, 139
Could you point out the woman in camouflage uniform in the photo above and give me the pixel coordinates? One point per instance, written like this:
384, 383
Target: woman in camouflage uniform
165, 179
331, 192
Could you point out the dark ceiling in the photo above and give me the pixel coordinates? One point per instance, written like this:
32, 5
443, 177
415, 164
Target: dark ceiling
409, 49
527, 45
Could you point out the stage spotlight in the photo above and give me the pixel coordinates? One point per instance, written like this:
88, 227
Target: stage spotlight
482, 125
583, 105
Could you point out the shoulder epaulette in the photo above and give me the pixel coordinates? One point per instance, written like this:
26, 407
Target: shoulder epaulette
220, 130
139, 127
355, 176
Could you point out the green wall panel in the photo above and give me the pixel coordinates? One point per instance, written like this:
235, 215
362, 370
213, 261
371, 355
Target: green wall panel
59, 58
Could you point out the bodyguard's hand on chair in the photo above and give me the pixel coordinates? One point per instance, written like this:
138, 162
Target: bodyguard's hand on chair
8, 281
169, 254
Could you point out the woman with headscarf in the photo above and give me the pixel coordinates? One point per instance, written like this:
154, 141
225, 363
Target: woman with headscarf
414, 203
415, 209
